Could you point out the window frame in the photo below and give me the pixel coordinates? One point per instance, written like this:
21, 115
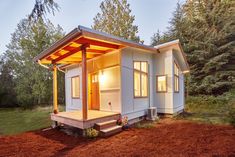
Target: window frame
157, 91
176, 76
76, 97
141, 73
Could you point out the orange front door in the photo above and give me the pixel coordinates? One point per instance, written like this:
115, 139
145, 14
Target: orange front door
95, 94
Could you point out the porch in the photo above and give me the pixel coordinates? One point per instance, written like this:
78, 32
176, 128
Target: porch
75, 118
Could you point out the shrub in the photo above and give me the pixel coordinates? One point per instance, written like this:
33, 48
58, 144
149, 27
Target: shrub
231, 113
232, 117
211, 109
145, 125
122, 121
91, 133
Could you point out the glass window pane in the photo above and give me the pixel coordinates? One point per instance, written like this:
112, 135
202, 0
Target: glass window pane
161, 83
176, 84
94, 78
176, 69
136, 84
137, 65
144, 67
75, 87
144, 85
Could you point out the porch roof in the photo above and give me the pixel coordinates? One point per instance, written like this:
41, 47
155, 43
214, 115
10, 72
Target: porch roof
68, 49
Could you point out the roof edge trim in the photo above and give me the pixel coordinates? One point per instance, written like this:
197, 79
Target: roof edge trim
59, 44
174, 42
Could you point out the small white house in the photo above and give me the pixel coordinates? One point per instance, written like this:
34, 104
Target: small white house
107, 77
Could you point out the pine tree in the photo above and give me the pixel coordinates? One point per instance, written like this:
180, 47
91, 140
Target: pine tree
116, 19
156, 38
7, 84
174, 30
210, 42
41, 8
206, 29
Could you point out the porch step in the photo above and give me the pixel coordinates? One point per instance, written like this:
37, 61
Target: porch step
105, 125
110, 131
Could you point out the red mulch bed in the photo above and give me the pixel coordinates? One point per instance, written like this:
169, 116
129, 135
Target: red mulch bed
169, 138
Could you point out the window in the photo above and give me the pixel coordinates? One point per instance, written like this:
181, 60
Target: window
75, 84
176, 78
161, 83
140, 79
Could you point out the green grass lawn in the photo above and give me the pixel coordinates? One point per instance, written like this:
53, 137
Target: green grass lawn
16, 120
210, 109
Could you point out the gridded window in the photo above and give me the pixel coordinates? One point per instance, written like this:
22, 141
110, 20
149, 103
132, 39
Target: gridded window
161, 83
75, 84
140, 79
176, 78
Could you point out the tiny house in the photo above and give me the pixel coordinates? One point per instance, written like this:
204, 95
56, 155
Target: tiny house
107, 77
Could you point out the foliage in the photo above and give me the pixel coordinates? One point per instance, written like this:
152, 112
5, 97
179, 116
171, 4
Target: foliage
211, 109
122, 121
91, 133
17, 120
116, 19
7, 84
33, 84
206, 29
41, 7
145, 124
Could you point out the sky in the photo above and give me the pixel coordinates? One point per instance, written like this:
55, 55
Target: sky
150, 16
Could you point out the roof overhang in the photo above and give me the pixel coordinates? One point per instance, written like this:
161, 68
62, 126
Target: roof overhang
68, 49
177, 52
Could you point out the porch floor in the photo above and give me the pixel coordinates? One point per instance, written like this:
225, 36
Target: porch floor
91, 114
74, 118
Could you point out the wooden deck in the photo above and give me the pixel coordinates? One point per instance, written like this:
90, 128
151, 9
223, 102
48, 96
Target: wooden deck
74, 118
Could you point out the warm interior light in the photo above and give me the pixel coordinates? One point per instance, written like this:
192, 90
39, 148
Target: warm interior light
102, 77
161, 78
186, 71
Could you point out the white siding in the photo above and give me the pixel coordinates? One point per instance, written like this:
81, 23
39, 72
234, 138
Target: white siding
117, 88
110, 90
134, 107
169, 102
178, 98
164, 66
72, 104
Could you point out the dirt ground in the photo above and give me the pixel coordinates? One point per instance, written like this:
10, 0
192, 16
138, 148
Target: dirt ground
169, 138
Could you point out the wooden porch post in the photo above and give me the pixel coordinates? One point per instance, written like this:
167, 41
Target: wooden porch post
55, 94
84, 83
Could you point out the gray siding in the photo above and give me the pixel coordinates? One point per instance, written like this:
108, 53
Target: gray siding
134, 107
72, 104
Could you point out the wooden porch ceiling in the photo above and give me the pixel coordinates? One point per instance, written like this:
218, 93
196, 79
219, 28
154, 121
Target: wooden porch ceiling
71, 52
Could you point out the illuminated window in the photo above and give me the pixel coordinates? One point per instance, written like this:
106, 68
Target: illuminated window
176, 78
94, 78
75, 84
140, 79
161, 83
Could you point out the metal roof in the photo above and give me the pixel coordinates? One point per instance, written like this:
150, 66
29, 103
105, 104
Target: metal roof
68, 49
88, 33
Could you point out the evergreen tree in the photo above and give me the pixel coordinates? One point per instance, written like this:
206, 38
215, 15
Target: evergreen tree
156, 38
210, 45
7, 93
206, 29
116, 19
174, 30
41, 7
33, 84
